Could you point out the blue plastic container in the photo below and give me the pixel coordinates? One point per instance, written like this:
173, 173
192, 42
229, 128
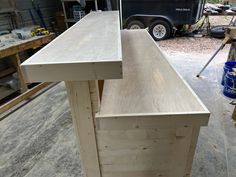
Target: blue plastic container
227, 68
230, 85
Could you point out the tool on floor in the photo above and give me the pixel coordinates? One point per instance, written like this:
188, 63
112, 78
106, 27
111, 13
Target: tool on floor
230, 38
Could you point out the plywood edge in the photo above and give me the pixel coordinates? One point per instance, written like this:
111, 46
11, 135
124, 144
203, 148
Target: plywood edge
167, 114
119, 35
118, 60
73, 71
193, 119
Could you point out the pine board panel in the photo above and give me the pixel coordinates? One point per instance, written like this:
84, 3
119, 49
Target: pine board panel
158, 152
150, 84
153, 173
82, 115
147, 120
146, 150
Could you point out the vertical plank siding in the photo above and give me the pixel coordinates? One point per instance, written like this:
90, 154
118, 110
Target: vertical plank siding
48, 9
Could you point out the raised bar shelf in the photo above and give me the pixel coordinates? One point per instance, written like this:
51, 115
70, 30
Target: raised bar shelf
89, 50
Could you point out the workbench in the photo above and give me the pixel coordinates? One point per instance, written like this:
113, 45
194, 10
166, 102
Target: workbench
147, 120
10, 50
16, 46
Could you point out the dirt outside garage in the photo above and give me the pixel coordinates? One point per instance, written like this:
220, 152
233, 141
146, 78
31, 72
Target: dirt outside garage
195, 45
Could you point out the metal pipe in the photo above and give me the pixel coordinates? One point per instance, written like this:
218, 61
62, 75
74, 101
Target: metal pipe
221, 47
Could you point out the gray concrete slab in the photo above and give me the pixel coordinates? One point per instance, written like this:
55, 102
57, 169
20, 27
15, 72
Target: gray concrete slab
211, 158
38, 139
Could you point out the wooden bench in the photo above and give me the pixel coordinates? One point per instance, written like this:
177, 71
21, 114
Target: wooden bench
12, 51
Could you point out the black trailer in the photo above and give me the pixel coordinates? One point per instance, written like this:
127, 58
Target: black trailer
162, 17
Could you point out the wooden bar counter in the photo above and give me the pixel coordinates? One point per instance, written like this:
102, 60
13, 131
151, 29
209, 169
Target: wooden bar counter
90, 50
147, 120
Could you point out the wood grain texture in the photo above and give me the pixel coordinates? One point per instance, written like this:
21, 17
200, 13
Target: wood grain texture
149, 84
191, 153
180, 152
89, 50
153, 152
82, 115
130, 151
94, 96
145, 124
126, 122
23, 84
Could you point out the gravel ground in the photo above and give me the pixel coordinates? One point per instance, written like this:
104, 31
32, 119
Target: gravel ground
220, 20
190, 45
203, 45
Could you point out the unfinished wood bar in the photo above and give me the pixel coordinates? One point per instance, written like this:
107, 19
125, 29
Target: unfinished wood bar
89, 50
80, 56
149, 121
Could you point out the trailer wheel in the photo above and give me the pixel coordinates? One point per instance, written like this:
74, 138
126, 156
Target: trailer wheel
135, 24
160, 30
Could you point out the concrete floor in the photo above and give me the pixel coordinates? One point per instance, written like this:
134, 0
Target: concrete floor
216, 149
37, 140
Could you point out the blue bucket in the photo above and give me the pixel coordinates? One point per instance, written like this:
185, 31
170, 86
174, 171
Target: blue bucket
230, 85
227, 68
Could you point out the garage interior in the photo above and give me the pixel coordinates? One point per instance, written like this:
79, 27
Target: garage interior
38, 137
